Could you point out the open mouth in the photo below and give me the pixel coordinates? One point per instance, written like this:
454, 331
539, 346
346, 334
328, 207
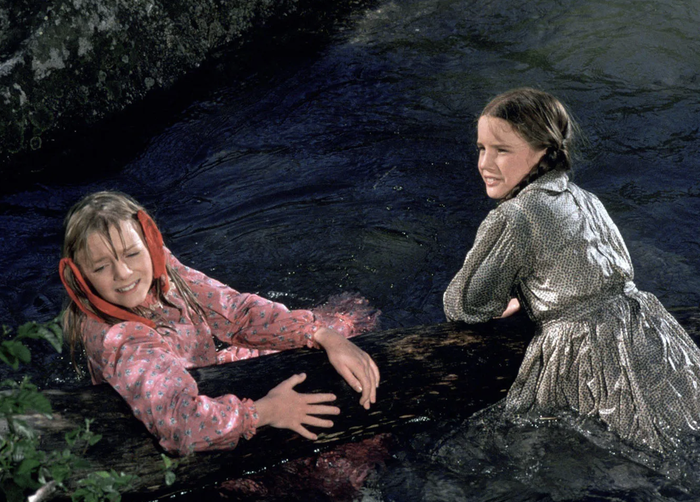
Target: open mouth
129, 288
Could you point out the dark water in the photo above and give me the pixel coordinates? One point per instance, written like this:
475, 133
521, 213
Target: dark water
351, 167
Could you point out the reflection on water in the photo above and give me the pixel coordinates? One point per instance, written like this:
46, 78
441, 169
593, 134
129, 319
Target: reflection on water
352, 168
555, 458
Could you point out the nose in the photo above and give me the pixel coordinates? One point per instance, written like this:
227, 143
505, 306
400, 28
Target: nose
485, 159
121, 270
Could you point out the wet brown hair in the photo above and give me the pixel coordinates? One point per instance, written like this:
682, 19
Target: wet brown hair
543, 122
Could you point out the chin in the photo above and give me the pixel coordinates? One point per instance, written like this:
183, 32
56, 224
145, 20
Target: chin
495, 194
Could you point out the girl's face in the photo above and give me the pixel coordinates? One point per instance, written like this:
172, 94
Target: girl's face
504, 157
123, 278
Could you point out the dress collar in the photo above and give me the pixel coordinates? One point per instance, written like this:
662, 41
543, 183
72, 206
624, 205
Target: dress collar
553, 181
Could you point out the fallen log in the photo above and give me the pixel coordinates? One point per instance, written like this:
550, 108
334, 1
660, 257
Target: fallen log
429, 373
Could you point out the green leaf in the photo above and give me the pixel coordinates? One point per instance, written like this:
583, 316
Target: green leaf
24, 481
11, 384
27, 466
22, 429
80, 463
52, 333
169, 478
166, 460
13, 352
49, 331
80, 494
72, 436
30, 399
59, 472
94, 439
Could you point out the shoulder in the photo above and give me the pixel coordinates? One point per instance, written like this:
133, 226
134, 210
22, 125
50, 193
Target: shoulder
555, 190
99, 334
552, 184
582, 193
171, 260
542, 197
94, 332
512, 213
507, 222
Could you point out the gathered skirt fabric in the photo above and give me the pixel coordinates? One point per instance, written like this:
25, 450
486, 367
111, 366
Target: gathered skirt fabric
627, 362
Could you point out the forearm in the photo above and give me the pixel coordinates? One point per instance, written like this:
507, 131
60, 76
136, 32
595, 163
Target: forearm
208, 424
464, 301
255, 322
165, 397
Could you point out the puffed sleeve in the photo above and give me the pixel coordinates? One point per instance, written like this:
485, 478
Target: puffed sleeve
245, 319
482, 288
137, 362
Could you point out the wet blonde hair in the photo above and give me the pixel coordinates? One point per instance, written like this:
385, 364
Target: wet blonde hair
543, 122
99, 212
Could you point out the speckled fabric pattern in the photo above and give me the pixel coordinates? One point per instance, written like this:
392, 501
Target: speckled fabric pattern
603, 348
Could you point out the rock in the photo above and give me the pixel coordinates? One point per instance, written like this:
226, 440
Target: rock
66, 64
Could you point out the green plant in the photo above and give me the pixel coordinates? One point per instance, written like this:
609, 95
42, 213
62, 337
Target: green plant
25, 468
169, 465
102, 485
13, 352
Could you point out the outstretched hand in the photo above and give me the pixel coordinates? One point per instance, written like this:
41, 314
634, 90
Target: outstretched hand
352, 363
284, 408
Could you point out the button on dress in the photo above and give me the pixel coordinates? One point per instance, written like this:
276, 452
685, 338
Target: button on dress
602, 347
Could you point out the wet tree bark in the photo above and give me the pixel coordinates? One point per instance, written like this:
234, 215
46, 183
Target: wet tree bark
428, 373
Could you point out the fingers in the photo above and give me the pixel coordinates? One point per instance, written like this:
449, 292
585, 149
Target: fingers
362, 382
317, 422
323, 410
362, 374
294, 380
368, 389
319, 398
369, 395
310, 419
375, 371
304, 432
350, 378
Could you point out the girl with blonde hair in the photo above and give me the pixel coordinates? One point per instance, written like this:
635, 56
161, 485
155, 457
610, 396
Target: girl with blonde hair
144, 319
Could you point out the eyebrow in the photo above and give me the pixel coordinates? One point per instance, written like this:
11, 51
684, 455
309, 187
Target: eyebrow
496, 145
103, 258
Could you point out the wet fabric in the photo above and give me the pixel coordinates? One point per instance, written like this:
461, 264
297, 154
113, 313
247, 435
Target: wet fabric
148, 367
603, 348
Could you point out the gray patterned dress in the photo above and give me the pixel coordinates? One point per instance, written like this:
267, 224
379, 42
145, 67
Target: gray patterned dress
602, 347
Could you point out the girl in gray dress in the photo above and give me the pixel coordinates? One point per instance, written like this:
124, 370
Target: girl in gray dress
602, 347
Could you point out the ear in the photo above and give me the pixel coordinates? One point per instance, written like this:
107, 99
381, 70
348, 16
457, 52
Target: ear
154, 243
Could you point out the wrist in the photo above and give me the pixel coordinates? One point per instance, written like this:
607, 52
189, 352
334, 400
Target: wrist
262, 407
325, 336
252, 418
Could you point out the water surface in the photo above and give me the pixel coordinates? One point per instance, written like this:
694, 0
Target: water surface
351, 167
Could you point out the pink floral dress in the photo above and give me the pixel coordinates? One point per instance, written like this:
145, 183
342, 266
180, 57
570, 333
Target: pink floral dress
148, 367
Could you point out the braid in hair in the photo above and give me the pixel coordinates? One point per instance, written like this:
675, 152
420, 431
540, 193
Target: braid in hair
553, 158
